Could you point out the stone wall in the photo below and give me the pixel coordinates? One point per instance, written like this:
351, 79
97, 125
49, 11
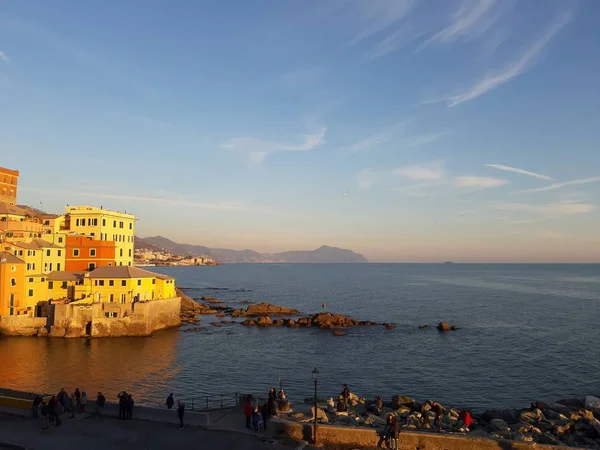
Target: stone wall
349, 437
22, 326
132, 319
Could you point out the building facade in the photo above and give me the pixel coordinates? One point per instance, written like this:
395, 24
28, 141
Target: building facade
12, 284
84, 253
104, 225
9, 180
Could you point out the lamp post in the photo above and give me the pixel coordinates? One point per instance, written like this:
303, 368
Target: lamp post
315, 374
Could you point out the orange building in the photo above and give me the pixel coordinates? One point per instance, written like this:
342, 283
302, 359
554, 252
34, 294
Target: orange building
86, 253
8, 185
12, 284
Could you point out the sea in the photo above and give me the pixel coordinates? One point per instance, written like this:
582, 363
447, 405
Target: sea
526, 333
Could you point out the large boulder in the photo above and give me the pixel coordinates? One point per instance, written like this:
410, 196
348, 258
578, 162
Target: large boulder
267, 309
264, 321
444, 326
402, 400
249, 323
533, 417
498, 425
508, 415
321, 416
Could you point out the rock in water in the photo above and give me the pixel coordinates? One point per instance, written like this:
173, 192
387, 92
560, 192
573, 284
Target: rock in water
402, 400
443, 326
389, 326
422, 326
264, 321
321, 416
339, 333
498, 425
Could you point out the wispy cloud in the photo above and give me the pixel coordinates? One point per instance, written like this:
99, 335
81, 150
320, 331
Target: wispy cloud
257, 150
378, 16
420, 189
367, 178
473, 17
370, 142
519, 171
424, 172
136, 198
555, 186
549, 210
4, 58
515, 68
394, 41
479, 182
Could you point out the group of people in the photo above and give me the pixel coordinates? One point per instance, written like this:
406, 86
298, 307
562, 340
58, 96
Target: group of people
180, 408
256, 415
51, 410
125, 405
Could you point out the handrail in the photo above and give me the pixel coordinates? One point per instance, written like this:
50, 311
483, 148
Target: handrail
209, 402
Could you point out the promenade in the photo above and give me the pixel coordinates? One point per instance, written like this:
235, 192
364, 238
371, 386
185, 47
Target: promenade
149, 429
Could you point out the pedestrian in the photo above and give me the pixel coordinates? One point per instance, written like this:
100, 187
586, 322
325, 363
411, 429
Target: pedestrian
391, 432
63, 399
248, 411
129, 406
100, 401
73, 404
77, 397
265, 411
84, 400
57, 413
170, 401
37, 401
467, 420
122, 407
345, 393
51, 408
256, 418
180, 412
44, 411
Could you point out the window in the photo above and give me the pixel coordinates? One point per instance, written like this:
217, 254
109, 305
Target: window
43, 279
95, 282
123, 282
59, 252
4, 194
45, 267
50, 284
11, 301
111, 314
139, 282
153, 280
64, 285
58, 266
103, 222
121, 224
30, 293
13, 281
60, 239
131, 226
48, 252
111, 298
13, 268
92, 234
50, 267
91, 266
101, 282
114, 224
130, 253
30, 280
111, 282
123, 298
28, 266
75, 252
92, 252
121, 252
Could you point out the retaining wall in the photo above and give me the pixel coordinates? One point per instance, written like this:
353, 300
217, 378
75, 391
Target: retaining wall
21, 325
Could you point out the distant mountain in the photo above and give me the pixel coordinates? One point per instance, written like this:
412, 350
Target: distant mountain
324, 254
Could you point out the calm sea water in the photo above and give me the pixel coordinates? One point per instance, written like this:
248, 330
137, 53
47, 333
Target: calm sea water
527, 332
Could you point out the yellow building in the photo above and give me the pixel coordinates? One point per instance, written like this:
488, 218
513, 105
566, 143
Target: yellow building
104, 225
12, 285
110, 284
53, 229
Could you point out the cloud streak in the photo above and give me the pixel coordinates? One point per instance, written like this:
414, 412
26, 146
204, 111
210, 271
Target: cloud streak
479, 182
515, 68
555, 186
473, 17
257, 149
519, 171
549, 210
4, 58
221, 206
424, 172
378, 16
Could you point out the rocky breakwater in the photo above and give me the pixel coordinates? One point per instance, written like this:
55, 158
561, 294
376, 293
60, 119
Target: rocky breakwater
325, 320
566, 423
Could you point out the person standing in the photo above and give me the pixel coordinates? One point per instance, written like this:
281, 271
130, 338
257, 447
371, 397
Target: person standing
51, 404
44, 411
73, 404
63, 399
122, 407
57, 413
84, 400
180, 413
265, 411
100, 401
248, 411
345, 393
391, 432
170, 401
129, 406
37, 401
77, 395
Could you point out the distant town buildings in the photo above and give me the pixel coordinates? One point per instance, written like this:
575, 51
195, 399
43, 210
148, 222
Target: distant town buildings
145, 257
9, 179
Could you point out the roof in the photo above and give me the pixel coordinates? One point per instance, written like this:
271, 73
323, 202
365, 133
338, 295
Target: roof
35, 244
64, 276
7, 208
163, 277
9, 258
124, 272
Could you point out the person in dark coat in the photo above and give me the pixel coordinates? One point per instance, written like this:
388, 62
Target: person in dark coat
265, 411
57, 412
78, 397
392, 430
122, 405
44, 411
37, 401
51, 408
129, 406
248, 411
345, 393
170, 401
100, 401
180, 413
63, 399
342, 406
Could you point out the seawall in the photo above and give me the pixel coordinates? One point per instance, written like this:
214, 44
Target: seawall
350, 437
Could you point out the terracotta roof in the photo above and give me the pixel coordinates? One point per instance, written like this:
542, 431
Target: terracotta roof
36, 244
124, 272
6, 208
9, 258
65, 276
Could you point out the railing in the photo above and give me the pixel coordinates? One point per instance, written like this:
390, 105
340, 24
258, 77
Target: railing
209, 402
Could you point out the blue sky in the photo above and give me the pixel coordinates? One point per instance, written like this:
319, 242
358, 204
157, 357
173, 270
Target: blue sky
464, 130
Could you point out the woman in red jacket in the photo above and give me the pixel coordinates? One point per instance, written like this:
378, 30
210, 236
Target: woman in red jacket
248, 412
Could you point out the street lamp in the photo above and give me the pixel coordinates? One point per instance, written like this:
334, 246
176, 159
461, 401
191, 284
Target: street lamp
315, 375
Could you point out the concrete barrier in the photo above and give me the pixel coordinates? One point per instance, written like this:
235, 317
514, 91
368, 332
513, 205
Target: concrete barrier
190, 418
369, 438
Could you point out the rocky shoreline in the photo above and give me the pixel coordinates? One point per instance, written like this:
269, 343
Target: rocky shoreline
567, 422
267, 315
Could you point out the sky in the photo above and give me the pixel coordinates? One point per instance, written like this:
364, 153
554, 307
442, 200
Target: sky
406, 130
